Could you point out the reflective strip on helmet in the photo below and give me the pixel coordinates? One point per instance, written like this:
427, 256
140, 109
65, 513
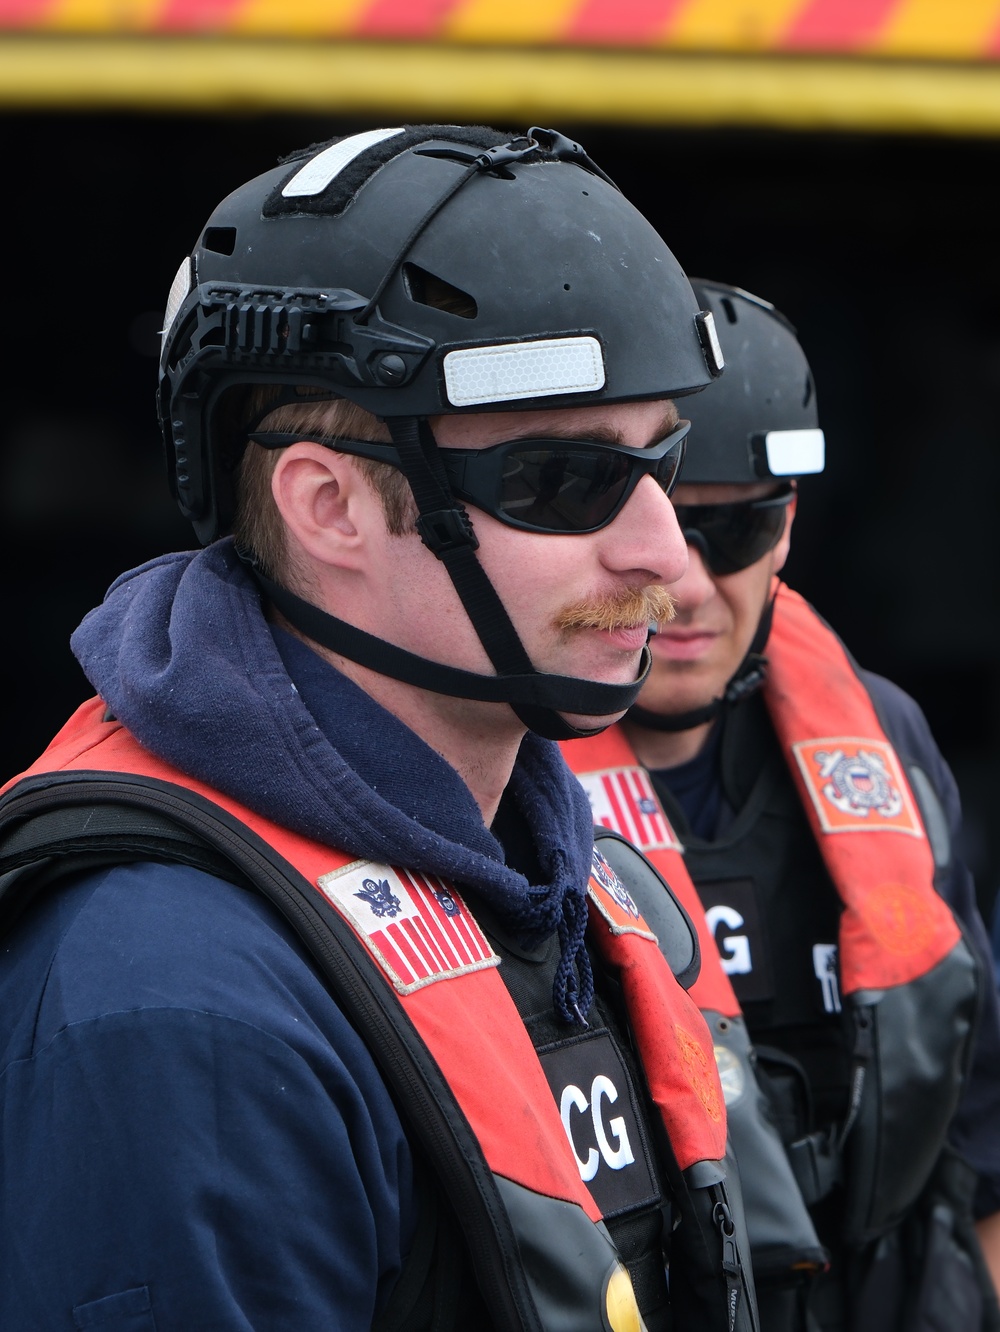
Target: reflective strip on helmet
795, 452
179, 288
318, 172
523, 370
709, 337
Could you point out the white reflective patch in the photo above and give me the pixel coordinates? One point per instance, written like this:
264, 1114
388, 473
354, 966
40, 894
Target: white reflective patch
710, 341
179, 288
523, 370
317, 173
795, 452
825, 967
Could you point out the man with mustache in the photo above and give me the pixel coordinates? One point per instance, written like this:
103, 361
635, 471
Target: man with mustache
434, 1071
800, 807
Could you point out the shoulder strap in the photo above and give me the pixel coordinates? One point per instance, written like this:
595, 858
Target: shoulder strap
77, 839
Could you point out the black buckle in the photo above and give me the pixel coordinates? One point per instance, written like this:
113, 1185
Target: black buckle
566, 150
749, 680
816, 1163
499, 158
444, 530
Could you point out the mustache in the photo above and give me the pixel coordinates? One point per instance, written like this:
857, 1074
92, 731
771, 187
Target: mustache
624, 609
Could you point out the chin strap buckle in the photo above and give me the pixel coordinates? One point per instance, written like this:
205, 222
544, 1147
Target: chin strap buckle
498, 158
445, 530
748, 680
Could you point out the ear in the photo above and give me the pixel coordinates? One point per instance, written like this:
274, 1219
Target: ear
784, 545
323, 501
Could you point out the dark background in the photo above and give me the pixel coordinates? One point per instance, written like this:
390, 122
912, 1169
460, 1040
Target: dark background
881, 249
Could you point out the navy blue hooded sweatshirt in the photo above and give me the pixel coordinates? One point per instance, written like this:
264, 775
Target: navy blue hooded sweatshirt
193, 1135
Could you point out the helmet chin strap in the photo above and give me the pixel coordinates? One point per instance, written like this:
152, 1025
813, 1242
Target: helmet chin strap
445, 528
748, 677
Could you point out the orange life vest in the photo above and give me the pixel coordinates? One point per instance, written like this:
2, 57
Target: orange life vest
894, 927
895, 931
449, 967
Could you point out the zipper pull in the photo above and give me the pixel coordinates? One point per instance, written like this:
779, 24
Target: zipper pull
864, 1049
723, 1219
864, 1040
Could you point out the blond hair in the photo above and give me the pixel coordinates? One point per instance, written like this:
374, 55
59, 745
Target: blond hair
258, 526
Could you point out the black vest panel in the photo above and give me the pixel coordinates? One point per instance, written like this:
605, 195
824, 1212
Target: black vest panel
595, 1082
775, 914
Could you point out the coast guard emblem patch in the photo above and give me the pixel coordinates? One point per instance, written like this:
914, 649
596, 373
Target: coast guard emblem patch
614, 901
416, 926
856, 786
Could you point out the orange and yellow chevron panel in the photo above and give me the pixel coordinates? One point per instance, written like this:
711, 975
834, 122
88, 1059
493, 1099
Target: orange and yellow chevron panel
905, 29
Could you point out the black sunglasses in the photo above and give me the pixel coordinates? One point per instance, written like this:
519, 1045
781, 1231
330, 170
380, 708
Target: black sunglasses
731, 537
556, 486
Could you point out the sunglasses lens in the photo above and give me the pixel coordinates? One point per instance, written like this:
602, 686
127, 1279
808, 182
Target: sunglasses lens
562, 490
575, 490
732, 536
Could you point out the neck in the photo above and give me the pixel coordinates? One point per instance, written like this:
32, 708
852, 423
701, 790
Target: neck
666, 749
479, 740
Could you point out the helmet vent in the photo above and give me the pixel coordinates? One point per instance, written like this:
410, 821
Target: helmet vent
220, 240
729, 308
427, 289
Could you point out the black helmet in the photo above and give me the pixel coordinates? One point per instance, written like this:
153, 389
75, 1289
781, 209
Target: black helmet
416, 271
760, 420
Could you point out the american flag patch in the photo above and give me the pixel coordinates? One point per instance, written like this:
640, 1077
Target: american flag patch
622, 799
417, 927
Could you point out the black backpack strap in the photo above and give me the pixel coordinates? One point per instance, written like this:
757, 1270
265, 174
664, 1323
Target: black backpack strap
77, 839
61, 823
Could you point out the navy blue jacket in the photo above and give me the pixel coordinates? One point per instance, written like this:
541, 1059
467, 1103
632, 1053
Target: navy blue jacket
193, 1135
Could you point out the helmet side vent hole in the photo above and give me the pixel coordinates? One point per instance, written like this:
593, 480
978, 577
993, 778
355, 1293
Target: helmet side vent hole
427, 289
220, 240
729, 308
807, 397
566, 286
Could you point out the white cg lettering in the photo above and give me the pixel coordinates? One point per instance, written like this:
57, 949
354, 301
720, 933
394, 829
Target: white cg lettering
734, 949
617, 1157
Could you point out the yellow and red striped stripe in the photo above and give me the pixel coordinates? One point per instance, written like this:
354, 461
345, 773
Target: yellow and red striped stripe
905, 29
859, 65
